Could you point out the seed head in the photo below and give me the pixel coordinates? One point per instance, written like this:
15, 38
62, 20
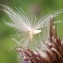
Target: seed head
52, 52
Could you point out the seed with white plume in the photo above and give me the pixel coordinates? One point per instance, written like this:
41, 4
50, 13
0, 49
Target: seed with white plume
31, 32
25, 26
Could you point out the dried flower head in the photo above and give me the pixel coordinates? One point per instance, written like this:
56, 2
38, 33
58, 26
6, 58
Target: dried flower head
51, 52
51, 47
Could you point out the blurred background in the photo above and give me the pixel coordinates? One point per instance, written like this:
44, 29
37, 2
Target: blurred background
30, 7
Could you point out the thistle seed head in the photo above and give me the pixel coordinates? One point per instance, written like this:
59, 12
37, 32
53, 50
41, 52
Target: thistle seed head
52, 52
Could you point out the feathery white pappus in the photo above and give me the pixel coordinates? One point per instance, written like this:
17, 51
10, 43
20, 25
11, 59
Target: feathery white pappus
24, 25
